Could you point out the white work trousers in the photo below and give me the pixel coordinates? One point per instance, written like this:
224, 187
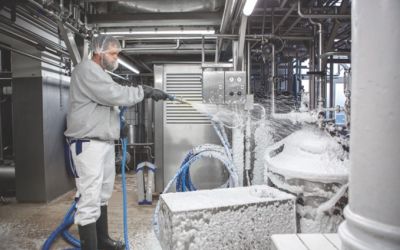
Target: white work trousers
95, 166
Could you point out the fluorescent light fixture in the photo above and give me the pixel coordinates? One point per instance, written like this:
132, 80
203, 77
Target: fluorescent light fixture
249, 7
128, 66
161, 32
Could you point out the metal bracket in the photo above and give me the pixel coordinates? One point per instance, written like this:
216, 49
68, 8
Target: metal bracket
69, 41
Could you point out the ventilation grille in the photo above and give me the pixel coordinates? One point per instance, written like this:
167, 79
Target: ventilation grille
189, 87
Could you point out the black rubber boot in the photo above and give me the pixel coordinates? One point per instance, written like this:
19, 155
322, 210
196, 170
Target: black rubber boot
103, 239
88, 236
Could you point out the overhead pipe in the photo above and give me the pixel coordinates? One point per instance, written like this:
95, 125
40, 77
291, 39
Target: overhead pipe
153, 48
31, 56
319, 16
372, 214
33, 40
215, 36
335, 53
58, 18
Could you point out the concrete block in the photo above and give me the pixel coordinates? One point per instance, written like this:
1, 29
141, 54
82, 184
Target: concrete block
234, 218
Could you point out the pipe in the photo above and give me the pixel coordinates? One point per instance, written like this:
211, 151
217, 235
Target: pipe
57, 17
202, 50
248, 68
312, 78
34, 40
273, 80
153, 48
227, 15
320, 65
332, 86
216, 36
335, 53
31, 56
319, 16
372, 215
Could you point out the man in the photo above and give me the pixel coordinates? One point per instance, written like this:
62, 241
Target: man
92, 127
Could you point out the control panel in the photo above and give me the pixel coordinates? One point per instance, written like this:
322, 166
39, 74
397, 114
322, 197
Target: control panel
224, 87
235, 87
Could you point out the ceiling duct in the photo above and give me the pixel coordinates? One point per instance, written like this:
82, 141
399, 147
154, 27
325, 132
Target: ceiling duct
160, 6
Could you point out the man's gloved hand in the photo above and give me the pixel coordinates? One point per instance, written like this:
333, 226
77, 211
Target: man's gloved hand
155, 94
159, 95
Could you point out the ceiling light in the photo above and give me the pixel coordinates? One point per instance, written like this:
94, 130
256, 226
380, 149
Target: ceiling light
128, 66
249, 7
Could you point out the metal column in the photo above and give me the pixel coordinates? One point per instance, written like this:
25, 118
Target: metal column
372, 216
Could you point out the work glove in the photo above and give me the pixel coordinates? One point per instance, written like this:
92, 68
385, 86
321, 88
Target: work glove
155, 94
159, 95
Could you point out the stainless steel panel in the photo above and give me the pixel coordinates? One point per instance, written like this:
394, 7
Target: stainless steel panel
235, 87
214, 87
39, 123
183, 127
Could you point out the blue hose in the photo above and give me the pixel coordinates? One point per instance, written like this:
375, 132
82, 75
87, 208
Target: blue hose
124, 141
124, 196
63, 227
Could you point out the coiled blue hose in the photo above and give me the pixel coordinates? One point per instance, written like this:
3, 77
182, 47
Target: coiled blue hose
62, 229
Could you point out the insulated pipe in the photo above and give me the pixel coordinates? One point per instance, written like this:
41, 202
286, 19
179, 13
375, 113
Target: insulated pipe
373, 214
273, 80
321, 78
323, 16
56, 17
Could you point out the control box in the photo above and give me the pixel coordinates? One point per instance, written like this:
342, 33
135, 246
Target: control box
224, 87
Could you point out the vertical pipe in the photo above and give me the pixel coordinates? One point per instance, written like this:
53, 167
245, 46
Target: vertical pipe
202, 50
321, 78
331, 86
273, 80
372, 216
312, 77
248, 68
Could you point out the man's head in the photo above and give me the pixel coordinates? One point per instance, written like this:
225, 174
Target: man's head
105, 51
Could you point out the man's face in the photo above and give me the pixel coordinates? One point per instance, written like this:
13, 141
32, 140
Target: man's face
109, 58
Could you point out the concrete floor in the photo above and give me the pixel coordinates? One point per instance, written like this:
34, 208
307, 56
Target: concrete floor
27, 225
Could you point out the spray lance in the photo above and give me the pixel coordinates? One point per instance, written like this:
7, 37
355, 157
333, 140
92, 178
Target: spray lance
149, 90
